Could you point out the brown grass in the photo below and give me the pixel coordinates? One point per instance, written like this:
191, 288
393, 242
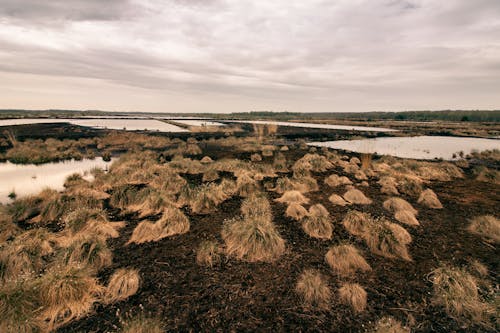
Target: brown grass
395, 204
429, 199
487, 226
255, 157
406, 217
457, 291
88, 251
257, 206
18, 308
337, 200
335, 180
388, 185
313, 288
354, 295
355, 196
208, 253
290, 197
389, 240
123, 283
357, 223
345, 260
66, 294
296, 211
252, 239
317, 223
172, 222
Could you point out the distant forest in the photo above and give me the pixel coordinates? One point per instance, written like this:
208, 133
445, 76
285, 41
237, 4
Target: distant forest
444, 115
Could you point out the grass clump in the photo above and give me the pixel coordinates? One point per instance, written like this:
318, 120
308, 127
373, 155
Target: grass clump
313, 289
487, 226
403, 210
384, 238
429, 199
355, 196
457, 291
66, 294
335, 180
88, 251
337, 200
253, 237
296, 211
172, 222
345, 260
208, 253
354, 295
317, 223
290, 197
123, 283
19, 306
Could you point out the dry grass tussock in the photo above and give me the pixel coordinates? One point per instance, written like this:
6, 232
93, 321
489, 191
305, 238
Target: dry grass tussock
253, 237
355, 196
313, 288
457, 291
172, 222
8, 229
88, 221
208, 253
317, 223
335, 180
403, 210
395, 204
337, 200
388, 185
293, 196
318, 163
25, 255
429, 199
123, 283
406, 217
389, 325
345, 260
205, 198
487, 226
19, 303
486, 175
255, 157
66, 294
296, 211
246, 185
88, 251
357, 223
354, 295
143, 324
384, 238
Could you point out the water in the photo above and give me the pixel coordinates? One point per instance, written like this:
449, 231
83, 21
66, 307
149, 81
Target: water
108, 123
30, 179
323, 126
199, 122
418, 147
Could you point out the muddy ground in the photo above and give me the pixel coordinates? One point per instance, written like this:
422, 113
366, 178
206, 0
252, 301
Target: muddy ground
240, 296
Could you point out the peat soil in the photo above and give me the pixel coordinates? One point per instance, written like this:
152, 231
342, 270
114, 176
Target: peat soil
240, 296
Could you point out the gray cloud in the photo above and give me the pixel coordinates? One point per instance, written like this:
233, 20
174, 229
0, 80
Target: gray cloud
328, 55
65, 10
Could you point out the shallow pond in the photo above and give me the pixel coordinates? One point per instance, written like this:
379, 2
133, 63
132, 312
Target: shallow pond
108, 123
30, 179
199, 122
418, 147
322, 126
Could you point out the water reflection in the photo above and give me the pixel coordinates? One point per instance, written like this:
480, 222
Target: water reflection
418, 147
31, 179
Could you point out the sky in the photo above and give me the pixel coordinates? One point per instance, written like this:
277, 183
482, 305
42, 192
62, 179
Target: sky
239, 55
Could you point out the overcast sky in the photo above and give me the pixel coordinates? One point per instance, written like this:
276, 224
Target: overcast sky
225, 56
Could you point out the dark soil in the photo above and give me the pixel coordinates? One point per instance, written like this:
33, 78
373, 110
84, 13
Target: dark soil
241, 296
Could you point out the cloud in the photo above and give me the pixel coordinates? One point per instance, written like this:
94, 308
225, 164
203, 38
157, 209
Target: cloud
287, 54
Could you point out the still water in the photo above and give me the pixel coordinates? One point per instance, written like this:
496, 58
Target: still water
323, 126
418, 147
108, 123
29, 179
